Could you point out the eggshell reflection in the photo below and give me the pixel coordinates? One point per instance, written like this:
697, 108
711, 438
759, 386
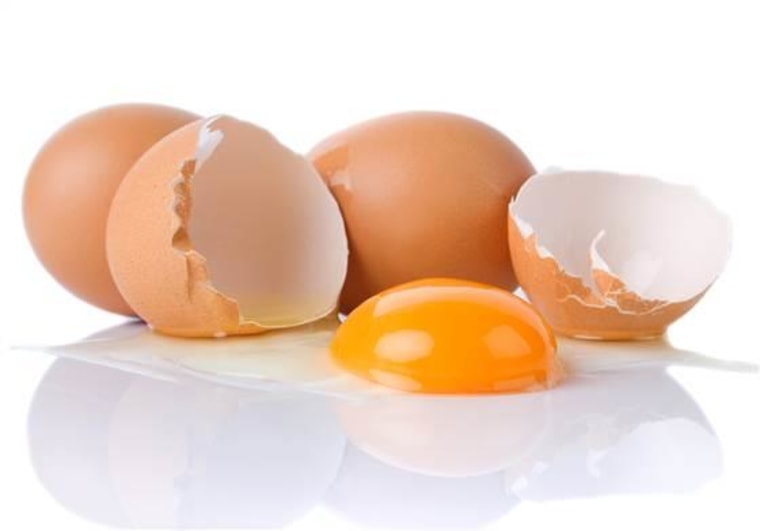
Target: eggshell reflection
610, 438
129, 450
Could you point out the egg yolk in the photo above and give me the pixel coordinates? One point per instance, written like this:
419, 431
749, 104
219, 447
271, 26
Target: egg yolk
448, 336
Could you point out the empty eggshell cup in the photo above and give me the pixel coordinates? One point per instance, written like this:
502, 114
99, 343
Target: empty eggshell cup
609, 256
220, 230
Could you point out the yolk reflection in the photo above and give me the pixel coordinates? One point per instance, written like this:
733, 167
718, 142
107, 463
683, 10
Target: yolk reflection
448, 336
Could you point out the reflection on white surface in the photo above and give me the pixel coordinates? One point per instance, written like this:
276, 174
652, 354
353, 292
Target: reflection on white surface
448, 436
148, 449
634, 431
373, 493
626, 432
129, 450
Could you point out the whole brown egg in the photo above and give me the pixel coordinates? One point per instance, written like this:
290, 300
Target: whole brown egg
423, 194
70, 186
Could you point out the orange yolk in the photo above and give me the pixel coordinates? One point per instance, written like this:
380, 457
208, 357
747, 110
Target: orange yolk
448, 336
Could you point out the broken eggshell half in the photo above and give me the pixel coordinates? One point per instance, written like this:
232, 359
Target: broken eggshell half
610, 256
220, 230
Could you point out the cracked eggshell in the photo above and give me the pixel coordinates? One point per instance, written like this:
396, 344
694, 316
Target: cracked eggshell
610, 256
423, 195
220, 230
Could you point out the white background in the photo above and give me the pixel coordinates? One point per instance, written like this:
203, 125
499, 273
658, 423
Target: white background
657, 87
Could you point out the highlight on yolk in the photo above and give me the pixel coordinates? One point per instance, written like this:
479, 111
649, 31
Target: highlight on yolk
448, 336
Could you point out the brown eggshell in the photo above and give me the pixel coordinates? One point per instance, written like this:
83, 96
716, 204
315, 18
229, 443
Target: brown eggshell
140, 232
423, 194
70, 187
574, 310
560, 225
158, 219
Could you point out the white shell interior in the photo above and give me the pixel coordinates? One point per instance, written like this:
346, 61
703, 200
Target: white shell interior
663, 241
270, 230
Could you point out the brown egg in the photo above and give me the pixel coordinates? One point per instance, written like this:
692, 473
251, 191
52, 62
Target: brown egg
220, 230
70, 187
423, 194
